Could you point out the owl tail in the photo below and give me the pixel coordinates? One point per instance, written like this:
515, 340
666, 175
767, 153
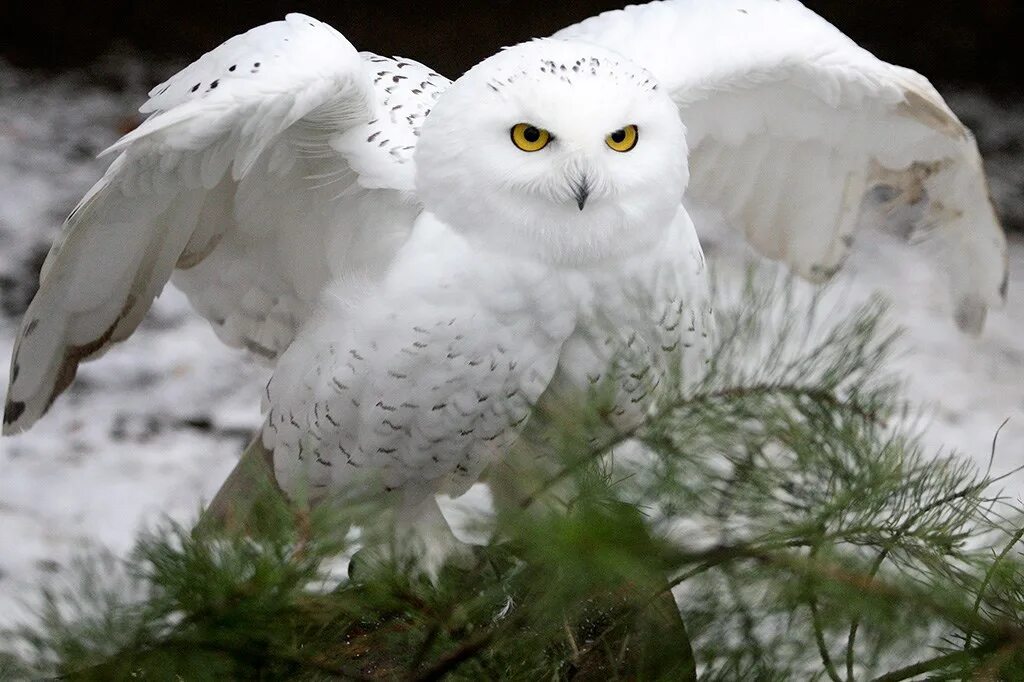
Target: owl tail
248, 498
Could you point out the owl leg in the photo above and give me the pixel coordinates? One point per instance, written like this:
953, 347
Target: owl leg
422, 531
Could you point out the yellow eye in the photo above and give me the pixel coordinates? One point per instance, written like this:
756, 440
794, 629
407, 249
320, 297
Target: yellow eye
530, 138
623, 139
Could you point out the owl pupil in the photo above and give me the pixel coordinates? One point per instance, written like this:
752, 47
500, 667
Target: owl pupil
618, 136
531, 134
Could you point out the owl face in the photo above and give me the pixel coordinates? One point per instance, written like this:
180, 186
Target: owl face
562, 150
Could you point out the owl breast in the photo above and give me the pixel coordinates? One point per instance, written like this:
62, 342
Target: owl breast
423, 381
643, 330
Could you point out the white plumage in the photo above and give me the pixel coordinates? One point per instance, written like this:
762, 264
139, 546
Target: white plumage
799, 137
420, 281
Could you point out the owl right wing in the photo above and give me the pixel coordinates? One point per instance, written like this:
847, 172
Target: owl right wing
799, 137
273, 164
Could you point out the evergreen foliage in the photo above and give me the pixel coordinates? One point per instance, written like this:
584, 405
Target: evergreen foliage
800, 527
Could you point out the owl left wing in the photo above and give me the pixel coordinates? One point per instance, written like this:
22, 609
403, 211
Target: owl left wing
799, 137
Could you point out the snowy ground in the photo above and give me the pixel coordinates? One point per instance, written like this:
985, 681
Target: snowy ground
153, 428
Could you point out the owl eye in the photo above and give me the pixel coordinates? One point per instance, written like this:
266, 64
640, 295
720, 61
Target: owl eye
623, 139
530, 138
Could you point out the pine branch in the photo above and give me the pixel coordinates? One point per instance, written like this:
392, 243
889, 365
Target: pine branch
939, 663
469, 648
1013, 542
851, 639
781, 482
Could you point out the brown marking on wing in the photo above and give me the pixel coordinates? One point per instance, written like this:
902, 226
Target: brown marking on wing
932, 114
77, 354
190, 259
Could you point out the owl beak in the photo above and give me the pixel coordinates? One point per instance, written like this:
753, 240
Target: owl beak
581, 190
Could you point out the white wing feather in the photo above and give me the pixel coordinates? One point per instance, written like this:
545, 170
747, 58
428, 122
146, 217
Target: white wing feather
282, 159
267, 167
798, 136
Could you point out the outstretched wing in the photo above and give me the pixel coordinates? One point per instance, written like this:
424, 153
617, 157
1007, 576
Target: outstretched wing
273, 164
798, 136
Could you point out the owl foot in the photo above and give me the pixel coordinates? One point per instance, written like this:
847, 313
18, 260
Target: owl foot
423, 543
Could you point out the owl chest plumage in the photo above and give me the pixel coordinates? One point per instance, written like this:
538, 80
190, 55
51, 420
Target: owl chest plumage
642, 330
430, 377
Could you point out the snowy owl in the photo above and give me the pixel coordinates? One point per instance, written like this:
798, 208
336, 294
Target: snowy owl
421, 260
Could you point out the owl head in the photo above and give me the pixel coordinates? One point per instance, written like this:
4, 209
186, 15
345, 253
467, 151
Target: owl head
555, 149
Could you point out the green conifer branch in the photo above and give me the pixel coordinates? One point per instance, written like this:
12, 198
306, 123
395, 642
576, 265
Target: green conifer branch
783, 483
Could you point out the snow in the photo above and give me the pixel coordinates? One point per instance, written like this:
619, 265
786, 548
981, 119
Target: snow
151, 430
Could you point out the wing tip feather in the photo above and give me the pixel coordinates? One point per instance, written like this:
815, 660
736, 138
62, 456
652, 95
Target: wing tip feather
13, 411
21, 414
925, 110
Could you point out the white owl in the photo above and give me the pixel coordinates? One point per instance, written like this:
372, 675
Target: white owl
422, 259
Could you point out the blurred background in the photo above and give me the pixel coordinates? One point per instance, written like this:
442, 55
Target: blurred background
965, 41
153, 428
967, 47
